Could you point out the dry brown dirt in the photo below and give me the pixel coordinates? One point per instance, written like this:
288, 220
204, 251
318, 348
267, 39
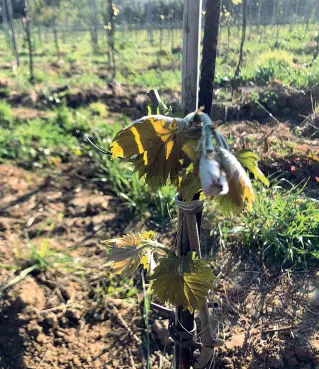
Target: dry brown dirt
55, 318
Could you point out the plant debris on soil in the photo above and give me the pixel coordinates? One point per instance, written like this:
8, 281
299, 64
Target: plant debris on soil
57, 318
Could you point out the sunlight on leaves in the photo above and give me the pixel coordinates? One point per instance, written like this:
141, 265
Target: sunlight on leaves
249, 160
157, 148
183, 281
132, 250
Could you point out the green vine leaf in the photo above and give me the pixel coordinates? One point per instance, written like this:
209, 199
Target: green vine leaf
157, 147
183, 281
132, 250
249, 160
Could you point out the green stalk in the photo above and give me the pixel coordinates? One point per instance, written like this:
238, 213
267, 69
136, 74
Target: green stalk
146, 312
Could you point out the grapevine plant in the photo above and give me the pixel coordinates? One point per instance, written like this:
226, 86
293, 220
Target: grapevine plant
192, 155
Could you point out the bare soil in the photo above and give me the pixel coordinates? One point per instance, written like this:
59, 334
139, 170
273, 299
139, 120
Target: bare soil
54, 318
266, 319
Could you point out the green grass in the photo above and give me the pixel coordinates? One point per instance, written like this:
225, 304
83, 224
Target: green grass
35, 143
116, 175
282, 228
44, 143
139, 63
6, 119
35, 259
150, 78
114, 286
98, 109
43, 257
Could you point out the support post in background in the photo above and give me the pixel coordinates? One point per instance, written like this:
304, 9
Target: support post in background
93, 24
54, 29
111, 41
5, 22
149, 20
191, 52
27, 29
8, 6
242, 41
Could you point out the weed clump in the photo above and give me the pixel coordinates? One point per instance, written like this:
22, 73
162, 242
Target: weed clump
98, 109
281, 229
272, 65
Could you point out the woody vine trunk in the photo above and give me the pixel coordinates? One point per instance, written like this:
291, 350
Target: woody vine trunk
184, 319
211, 32
206, 85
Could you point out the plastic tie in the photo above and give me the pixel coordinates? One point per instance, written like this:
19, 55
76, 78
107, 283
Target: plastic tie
182, 337
190, 208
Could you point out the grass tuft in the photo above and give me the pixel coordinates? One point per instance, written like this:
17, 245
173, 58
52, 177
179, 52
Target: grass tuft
282, 228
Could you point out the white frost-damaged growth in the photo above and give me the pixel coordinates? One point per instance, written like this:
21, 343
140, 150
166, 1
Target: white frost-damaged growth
213, 180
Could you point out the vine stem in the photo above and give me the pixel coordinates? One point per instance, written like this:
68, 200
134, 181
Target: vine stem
184, 320
207, 333
146, 311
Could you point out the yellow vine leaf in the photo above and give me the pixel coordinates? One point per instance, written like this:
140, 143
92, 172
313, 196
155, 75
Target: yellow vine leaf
249, 160
183, 281
240, 193
157, 148
132, 250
